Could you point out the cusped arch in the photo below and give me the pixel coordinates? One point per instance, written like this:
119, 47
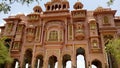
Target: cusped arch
39, 61
97, 63
65, 59
15, 63
80, 50
27, 57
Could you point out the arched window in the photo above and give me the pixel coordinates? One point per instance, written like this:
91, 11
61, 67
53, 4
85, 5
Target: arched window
59, 6
56, 7
106, 20
64, 6
48, 7
52, 7
53, 36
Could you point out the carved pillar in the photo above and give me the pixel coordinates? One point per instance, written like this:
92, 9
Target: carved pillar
33, 57
74, 65
60, 62
45, 63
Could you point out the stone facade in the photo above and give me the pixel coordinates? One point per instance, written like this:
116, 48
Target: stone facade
60, 35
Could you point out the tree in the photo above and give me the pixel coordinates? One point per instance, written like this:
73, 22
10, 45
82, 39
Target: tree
4, 53
5, 5
113, 48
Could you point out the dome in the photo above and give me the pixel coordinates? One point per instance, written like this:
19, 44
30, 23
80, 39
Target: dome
78, 5
92, 20
99, 9
37, 8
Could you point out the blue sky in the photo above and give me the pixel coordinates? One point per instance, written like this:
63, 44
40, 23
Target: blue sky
88, 4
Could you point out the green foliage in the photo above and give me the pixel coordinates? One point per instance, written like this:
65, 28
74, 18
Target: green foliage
110, 2
4, 7
113, 47
4, 53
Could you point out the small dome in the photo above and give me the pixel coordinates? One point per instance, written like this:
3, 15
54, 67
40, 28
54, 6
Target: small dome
92, 20
37, 8
99, 9
78, 5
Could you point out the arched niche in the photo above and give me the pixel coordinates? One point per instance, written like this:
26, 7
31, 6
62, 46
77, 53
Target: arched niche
66, 59
39, 61
27, 58
96, 63
52, 62
80, 58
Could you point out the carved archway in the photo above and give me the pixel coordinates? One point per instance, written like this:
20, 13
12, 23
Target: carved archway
52, 61
27, 58
39, 61
80, 54
97, 63
15, 63
66, 58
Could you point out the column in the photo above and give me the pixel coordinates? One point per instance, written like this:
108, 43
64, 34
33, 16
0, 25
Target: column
60, 63
45, 63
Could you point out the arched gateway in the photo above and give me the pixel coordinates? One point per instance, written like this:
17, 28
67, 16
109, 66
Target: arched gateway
58, 36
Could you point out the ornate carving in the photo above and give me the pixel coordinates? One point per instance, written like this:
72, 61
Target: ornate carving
79, 32
30, 34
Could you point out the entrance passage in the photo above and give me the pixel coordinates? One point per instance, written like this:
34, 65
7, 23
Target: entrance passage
27, 59
15, 64
93, 66
80, 55
52, 63
66, 62
96, 64
39, 61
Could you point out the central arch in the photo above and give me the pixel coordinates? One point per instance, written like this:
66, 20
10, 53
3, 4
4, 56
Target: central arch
80, 58
52, 61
